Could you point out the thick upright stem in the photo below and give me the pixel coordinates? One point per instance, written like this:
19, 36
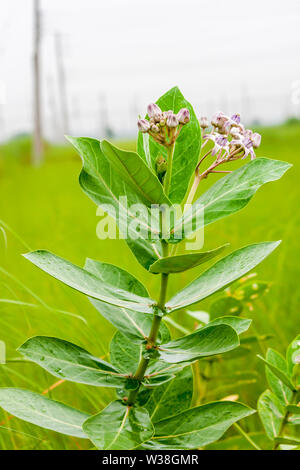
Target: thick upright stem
168, 176
151, 340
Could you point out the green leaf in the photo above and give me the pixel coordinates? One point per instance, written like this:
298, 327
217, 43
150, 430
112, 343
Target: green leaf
240, 325
119, 427
199, 426
226, 305
276, 385
70, 362
134, 172
106, 187
135, 326
42, 411
271, 412
289, 440
221, 274
179, 263
228, 195
293, 358
87, 283
207, 341
278, 373
125, 356
171, 398
293, 409
187, 147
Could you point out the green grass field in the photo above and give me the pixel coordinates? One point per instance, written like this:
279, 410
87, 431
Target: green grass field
46, 208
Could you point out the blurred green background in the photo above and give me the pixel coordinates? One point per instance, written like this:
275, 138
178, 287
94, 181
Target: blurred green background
45, 208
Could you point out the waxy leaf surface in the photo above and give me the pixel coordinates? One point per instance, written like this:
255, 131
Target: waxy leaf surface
179, 263
271, 412
70, 362
119, 427
279, 388
134, 325
171, 398
228, 195
105, 186
87, 283
199, 426
221, 274
207, 341
42, 411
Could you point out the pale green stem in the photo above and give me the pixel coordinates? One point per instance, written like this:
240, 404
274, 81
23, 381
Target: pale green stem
167, 180
151, 340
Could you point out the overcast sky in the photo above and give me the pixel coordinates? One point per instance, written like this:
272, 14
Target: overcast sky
121, 54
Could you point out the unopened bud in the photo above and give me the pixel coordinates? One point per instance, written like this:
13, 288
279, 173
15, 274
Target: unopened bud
162, 123
183, 116
236, 118
172, 120
143, 125
153, 110
203, 121
155, 128
256, 140
161, 165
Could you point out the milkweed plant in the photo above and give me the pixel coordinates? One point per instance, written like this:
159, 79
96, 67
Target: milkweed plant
152, 372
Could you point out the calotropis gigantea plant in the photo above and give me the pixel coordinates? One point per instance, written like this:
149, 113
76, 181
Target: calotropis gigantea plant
154, 381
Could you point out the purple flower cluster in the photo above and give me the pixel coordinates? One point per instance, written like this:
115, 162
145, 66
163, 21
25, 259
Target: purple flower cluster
163, 126
230, 137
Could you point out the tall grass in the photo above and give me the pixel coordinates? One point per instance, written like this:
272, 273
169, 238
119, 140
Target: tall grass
45, 208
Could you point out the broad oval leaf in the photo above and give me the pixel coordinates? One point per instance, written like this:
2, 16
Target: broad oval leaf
171, 398
179, 263
271, 412
87, 283
106, 188
134, 172
187, 147
279, 388
279, 373
119, 427
207, 341
199, 426
70, 362
135, 326
228, 195
42, 411
221, 274
240, 325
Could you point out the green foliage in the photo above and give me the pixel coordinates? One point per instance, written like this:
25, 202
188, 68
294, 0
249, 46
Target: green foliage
42, 411
151, 371
230, 194
277, 407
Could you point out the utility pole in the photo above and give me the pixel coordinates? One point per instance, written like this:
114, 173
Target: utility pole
62, 83
37, 135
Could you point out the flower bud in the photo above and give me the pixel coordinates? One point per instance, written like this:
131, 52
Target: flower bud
153, 110
155, 128
183, 116
203, 121
218, 119
256, 140
172, 120
143, 125
236, 118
